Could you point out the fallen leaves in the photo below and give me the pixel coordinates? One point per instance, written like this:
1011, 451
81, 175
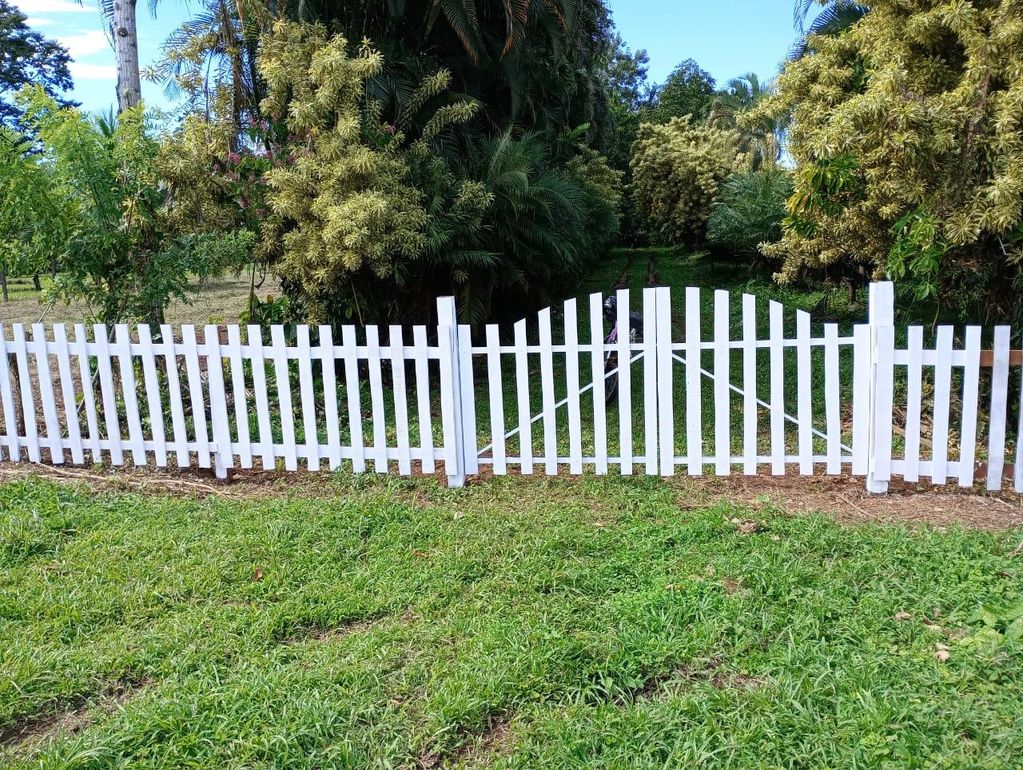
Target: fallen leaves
748, 526
900, 616
942, 652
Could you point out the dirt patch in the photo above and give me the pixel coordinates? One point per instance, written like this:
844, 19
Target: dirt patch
333, 633
478, 752
32, 732
840, 496
846, 499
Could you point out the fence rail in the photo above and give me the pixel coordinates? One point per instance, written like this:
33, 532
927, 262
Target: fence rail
717, 386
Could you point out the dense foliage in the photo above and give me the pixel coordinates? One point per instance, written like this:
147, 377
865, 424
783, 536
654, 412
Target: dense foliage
748, 212
909, 152
97, 199
677, 169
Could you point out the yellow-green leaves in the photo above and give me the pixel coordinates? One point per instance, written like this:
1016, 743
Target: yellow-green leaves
677, 168
926, 99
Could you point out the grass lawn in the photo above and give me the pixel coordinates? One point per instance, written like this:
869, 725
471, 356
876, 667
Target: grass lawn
548, 623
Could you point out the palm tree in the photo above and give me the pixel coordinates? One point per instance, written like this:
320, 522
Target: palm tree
763, 137
218, 44
834, 17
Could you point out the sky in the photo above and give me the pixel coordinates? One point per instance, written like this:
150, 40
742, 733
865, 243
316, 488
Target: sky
726, 37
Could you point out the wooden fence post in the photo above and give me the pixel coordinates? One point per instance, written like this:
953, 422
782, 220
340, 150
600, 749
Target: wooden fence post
881, 320
450, 391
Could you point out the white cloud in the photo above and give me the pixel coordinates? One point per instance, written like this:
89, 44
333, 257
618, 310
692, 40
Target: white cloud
82, 71
53, 6
39, 22
85, 43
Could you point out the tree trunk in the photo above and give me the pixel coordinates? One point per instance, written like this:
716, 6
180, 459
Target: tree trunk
36, 282
126, 52
3, 284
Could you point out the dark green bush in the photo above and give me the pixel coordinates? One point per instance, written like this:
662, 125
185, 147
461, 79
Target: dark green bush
748, 211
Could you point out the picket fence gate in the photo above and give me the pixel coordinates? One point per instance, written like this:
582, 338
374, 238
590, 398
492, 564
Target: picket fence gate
537, 400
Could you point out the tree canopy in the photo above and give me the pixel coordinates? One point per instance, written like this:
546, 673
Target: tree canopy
27, 58
907, 140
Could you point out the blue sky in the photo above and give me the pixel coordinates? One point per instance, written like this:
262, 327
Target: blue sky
727, 37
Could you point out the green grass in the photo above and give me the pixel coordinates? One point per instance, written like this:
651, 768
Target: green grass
597, 623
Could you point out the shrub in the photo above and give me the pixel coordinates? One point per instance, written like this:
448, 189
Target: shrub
909, 159
748, 212
677, 169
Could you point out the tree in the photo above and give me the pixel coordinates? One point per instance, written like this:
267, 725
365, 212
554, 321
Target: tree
110, 214
27, 58
909, 156
689, 90
677, 168
834, 17
761, 136
126, 52
748, 211
211, 58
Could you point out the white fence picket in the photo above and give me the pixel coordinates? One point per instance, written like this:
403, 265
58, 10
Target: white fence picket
550, 435
694, 384
282, 377
651, 333
524, 405
88, 384
624, 361
942, 405
861, 400
750, 407
597, 377
665, 380
109, 400
11, 438
307, 402
240, 396
1019, 444
777, 362
804, 407
221, 421
496, 392
151, 383
261, 395
832, 400
28, 405
52, 442
971, 386
467, 405
401, 421
376, 399
722, 380
197, 399
423, 398
997, 414
575, 444
330, 410
122, 339
914, 397
67, 388
353, 389
174, 397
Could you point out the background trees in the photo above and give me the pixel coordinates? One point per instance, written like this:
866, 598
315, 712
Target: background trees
677, 168
27, 58
909, 154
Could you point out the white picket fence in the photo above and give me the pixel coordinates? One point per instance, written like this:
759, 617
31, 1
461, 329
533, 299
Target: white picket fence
765, 396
